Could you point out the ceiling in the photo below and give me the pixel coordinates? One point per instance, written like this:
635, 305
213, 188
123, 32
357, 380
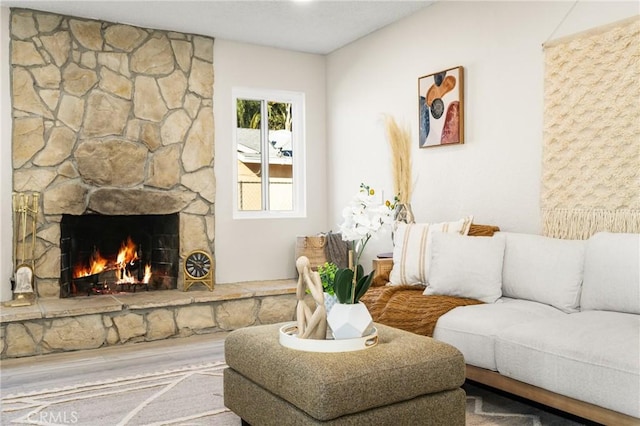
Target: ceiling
313, 26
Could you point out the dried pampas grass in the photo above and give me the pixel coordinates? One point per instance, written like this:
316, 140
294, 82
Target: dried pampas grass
400, 143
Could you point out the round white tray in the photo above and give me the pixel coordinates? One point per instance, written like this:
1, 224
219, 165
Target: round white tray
289, 339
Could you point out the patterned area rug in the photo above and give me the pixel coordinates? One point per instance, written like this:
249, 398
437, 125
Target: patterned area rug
486, 407
194, 396
187, 396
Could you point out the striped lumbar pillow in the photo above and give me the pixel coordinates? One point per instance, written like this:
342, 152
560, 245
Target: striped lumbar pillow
412, 252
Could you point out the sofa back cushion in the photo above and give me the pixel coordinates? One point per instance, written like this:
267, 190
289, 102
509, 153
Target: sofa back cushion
543, 269
612, 273
464, 266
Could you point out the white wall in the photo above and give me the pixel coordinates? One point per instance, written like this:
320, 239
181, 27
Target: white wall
495, 175
263, 249
6, 230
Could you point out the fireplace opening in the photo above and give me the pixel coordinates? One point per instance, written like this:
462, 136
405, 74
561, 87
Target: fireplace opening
102, 254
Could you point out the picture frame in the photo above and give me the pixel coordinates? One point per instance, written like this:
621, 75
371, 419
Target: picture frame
441, 108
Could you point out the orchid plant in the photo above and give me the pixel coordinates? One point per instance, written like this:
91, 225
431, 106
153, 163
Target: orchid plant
363, 217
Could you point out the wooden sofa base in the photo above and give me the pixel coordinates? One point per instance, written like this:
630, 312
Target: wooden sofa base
550, 399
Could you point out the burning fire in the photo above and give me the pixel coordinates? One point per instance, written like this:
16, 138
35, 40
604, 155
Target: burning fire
127, 256
97, 264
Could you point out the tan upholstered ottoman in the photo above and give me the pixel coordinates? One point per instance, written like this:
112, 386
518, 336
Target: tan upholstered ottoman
406, 379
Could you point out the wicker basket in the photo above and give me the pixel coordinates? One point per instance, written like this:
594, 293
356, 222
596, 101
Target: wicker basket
313, 247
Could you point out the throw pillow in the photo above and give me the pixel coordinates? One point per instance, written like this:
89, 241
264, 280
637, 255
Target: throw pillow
545, 270
411, 250
466, 267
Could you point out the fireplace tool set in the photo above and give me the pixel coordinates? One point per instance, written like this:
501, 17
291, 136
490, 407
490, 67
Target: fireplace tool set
25, 208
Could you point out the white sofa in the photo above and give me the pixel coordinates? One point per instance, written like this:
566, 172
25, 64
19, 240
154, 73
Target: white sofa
566, 331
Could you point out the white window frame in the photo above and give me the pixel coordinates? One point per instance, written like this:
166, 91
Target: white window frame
297, 99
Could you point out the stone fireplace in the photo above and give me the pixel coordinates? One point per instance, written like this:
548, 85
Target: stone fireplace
111, 120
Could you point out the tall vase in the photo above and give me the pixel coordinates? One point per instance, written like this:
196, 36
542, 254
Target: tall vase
349, 321
404, 213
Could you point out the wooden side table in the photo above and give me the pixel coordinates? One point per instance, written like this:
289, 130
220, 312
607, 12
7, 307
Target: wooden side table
382, 267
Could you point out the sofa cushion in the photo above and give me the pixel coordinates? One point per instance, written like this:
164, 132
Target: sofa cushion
468, 267
472, 329
612, 273
412, 249
543, 269
592, 356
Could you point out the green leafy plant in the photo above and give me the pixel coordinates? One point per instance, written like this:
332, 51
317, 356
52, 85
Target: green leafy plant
327, 276
343, 285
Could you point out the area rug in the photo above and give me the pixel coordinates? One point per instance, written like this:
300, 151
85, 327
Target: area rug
193, 395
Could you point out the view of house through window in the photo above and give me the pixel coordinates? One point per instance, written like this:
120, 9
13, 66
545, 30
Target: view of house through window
265, 133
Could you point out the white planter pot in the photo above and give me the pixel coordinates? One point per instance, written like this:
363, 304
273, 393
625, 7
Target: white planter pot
349, 321
329, 301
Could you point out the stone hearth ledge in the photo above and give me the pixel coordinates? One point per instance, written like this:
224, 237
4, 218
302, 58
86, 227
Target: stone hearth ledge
74, 306
59, 325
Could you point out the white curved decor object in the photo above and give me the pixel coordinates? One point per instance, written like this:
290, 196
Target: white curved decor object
348, 321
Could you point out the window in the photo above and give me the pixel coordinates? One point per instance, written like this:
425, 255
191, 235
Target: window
268, 136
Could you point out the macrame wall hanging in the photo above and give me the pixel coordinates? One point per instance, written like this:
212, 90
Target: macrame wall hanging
591, 141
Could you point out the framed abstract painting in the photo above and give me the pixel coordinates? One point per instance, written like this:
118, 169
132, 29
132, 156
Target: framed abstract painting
441, 108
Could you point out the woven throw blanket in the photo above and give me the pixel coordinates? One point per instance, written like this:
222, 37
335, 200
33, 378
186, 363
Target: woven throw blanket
337, 250
406, 308
591, 150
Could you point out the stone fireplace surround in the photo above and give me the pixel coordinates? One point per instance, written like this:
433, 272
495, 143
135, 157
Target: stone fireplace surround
111, 119
114, 119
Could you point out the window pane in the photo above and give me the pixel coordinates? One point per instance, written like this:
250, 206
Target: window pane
280, 156
249, 154
268, 129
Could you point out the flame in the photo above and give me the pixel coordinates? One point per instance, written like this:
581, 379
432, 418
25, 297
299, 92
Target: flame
97, 264
127, 255
147, 274
126, 278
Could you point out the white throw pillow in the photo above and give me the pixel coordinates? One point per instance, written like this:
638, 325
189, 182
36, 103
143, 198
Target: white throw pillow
466, 267
411, 249
612, 273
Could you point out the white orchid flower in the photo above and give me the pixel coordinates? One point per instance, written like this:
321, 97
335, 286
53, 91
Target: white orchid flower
363, 217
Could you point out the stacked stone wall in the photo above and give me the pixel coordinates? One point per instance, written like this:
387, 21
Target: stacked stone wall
110, 119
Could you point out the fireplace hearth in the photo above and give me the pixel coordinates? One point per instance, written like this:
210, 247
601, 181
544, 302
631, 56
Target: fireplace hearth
108, 254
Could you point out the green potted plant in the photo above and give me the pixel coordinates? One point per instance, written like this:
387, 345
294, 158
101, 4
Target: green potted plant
344, 287
327, 274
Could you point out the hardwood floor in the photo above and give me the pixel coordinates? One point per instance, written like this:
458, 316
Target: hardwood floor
22, 375
56, 370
